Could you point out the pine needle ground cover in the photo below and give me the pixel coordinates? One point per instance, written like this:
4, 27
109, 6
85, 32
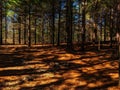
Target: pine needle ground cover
53, 68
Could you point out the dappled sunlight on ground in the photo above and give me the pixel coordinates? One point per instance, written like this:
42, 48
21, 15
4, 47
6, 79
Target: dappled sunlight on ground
52, 68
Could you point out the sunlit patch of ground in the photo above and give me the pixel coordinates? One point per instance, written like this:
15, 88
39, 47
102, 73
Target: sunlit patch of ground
52, 68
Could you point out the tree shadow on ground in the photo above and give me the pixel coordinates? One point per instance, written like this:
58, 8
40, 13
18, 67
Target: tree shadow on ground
62, 67
91, 71
44, 86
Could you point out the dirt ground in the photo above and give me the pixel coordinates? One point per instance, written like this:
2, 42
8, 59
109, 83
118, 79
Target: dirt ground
54, 68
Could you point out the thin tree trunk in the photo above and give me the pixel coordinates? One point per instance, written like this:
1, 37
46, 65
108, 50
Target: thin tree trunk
69, 24
6, 31
35, 28
1, 22
83, 28
50, 39
101, 34
25, 29
119, 58
13, 36
99, 40
53, 22
79, 25
47, 32
29, 30
58, 41
19, 30
105, 29
43, 30
111, 28
39, 33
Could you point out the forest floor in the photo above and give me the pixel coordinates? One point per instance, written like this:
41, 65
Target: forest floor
54, 68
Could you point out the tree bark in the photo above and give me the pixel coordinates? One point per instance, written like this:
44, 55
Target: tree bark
118, 37
83, 27
19, 30
111, 28
29, 29
1, 22
105, 28
53, 22
58, 41
35, 29
118, 53
69, 24
43, 30
6, 31
13, 36
25, 28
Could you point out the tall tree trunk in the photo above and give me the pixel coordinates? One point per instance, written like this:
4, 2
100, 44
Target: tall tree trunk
79, 25
101, 32
19, 30
58, 41
83, 27
100, 36
25, 28
6, 31
1, 22
39, 33
95, 33
119, 56
53, 22
29, 29
69, 24
118, 52
42, 29
13, 36
105, 28
47, 32
111, 27
118, 38
50, 39
35, 29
